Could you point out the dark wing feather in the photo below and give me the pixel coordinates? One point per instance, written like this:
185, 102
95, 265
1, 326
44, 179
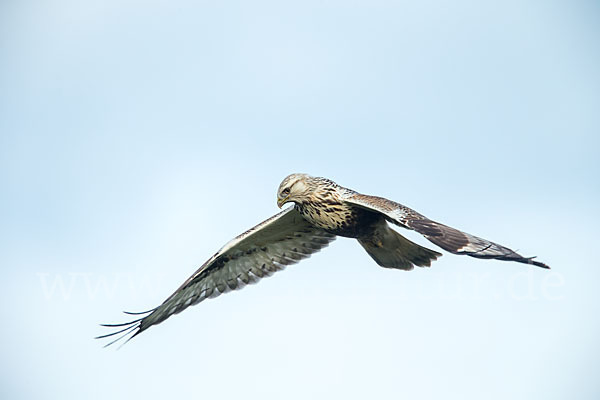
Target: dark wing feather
446, 237
284, 239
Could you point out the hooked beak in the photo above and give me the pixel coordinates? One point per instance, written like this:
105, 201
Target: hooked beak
282, 201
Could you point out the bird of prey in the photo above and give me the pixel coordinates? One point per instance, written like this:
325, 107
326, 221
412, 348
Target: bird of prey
322, 210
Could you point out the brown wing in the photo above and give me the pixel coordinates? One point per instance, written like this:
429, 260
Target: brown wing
286, 238
446, 237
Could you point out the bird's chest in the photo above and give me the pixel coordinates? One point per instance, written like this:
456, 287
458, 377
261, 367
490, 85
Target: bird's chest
337, 218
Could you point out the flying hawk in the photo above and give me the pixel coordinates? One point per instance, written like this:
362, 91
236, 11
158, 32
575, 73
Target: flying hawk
322, 210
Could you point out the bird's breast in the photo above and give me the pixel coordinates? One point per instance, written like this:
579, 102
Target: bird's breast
339, 218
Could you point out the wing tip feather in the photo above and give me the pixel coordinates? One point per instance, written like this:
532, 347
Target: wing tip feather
134, 326
540, 264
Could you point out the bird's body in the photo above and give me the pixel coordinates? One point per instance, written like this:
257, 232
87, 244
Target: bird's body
333, 215
322, 210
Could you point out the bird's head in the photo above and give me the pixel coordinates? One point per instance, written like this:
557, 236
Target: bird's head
296, 188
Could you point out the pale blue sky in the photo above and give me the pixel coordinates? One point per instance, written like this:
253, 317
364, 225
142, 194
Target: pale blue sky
137, 137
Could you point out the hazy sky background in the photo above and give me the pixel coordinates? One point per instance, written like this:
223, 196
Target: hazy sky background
137, 137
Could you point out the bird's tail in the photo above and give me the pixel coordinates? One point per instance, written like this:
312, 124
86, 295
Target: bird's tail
389, 249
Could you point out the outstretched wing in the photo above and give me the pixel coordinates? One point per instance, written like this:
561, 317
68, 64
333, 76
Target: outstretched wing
447, 238
286, 238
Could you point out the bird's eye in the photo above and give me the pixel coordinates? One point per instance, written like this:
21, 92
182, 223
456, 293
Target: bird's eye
285, 191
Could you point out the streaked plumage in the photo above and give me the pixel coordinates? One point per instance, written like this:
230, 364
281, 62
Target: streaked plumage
322, 210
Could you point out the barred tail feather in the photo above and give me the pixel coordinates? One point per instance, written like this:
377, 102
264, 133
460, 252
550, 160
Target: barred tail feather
389, 249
